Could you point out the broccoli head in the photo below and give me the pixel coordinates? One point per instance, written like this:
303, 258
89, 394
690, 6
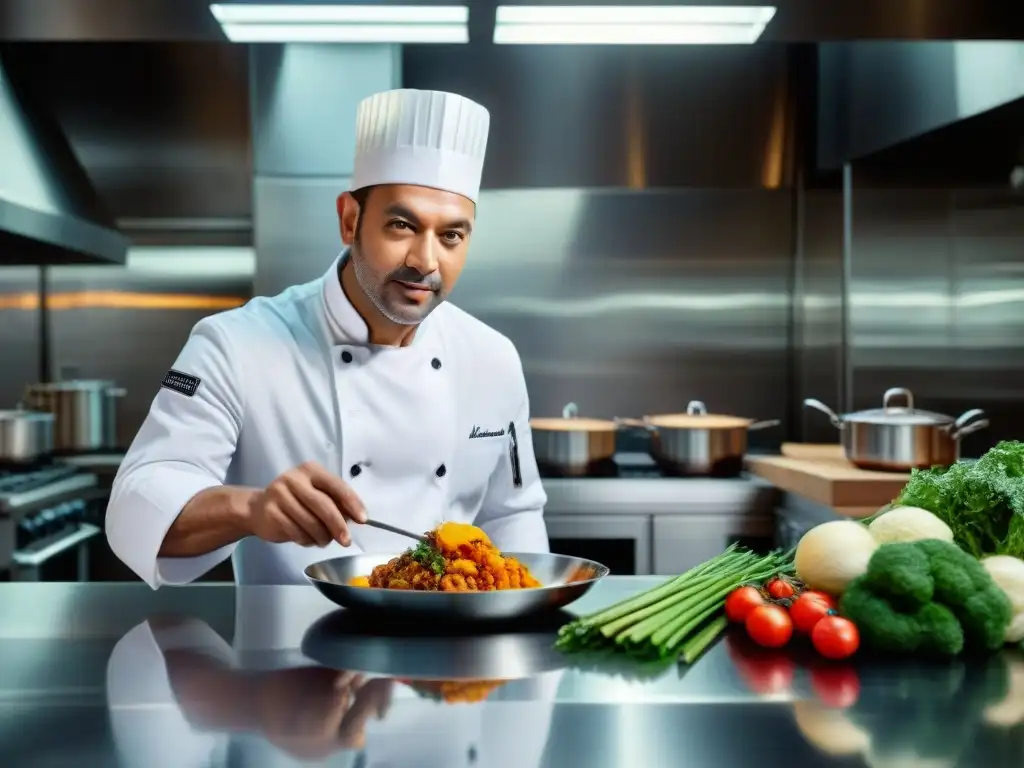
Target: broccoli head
928, 597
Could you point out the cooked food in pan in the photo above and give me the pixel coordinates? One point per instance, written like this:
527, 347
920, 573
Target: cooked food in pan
456, 557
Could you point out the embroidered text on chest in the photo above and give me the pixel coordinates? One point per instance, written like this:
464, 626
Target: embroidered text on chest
478, 432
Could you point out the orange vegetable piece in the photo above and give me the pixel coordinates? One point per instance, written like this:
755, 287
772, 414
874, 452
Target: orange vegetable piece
359, 581
451, 536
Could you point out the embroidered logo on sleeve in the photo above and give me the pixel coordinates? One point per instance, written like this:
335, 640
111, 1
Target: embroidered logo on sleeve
182, 383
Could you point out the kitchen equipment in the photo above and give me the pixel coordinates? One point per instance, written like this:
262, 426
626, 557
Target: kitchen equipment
563, 580
345, 640
900, 437
393, 529
85, 413
698, 442
25, 436
572, 445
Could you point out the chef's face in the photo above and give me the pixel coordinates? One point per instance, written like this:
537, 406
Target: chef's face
408, 245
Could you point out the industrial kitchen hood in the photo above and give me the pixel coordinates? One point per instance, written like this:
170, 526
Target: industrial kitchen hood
49, 211
954, 96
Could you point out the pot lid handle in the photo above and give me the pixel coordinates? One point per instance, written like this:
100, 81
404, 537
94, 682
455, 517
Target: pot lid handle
570, 411
890, 394
696, 408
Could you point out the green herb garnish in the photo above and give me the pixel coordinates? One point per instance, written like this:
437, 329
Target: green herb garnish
428, 557
981, 501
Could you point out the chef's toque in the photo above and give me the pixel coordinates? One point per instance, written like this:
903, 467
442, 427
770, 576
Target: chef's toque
426, 138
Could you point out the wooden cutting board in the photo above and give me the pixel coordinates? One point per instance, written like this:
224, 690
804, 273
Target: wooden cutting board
822, 474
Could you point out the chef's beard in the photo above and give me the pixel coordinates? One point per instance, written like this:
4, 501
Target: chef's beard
374, 286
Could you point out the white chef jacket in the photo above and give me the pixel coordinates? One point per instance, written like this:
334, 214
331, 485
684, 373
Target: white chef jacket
151, 730
437, 430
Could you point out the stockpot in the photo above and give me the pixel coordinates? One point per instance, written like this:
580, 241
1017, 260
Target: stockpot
85, 413
899, 437
25, 436
698, 442
572, 445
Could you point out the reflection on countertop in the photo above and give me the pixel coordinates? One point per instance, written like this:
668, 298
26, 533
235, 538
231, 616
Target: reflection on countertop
274, 676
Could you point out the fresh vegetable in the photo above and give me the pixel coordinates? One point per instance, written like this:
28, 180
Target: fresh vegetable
928, 597
908, 524
809, 608
831, 555
781, 588
769, 626
741, 602
982, 502
680, 618
1008, 573
835, 638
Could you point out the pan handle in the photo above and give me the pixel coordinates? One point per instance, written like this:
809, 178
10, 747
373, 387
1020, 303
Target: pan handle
570, 411
817, 405
969, 429
763, 424
634, 423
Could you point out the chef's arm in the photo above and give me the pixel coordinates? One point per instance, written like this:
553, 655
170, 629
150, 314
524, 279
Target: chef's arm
512, 513
179, 461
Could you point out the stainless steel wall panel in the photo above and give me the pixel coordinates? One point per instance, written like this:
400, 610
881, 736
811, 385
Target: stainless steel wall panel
20, 339
817, 317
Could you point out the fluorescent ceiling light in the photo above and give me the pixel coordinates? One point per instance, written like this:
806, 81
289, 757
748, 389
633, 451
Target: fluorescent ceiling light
630, 25
248, 23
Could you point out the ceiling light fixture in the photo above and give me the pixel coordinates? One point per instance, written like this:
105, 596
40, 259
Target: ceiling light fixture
250, 23
630, 25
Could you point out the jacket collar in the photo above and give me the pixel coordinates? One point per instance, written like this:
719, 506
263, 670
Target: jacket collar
344, 324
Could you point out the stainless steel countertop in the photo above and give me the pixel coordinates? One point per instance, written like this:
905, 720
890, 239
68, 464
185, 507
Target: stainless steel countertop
128, 676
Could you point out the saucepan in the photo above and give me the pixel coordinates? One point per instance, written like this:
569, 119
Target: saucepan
85, 413
572, 445
899, 438
698, 442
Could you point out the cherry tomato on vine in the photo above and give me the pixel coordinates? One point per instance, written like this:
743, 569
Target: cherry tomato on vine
835, 637
741, 602
781, 589
809, 608
769, 626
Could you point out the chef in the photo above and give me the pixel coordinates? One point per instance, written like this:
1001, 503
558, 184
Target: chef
284, 423
180, 695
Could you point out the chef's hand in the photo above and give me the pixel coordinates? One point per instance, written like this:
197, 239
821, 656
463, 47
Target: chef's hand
312, 713
306, 505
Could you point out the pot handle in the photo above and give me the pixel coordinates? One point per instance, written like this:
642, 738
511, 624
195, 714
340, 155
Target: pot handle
965, 417
570, 411
696, 408
969, 429
763, 424
117, 392
817, 405
634, 423
890, 394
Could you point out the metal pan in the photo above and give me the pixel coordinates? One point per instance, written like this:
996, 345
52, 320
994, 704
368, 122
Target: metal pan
25, 436
565, 579
572, 445
698, 442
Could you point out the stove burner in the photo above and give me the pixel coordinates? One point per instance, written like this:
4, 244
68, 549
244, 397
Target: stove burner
20, 481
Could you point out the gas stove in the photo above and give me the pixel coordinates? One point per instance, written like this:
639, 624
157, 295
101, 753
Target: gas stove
28, 487
46, 510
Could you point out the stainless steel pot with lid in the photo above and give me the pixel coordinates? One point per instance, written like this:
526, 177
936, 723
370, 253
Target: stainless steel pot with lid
25, 436
899, 437
572, 445
698, 442
85, 413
